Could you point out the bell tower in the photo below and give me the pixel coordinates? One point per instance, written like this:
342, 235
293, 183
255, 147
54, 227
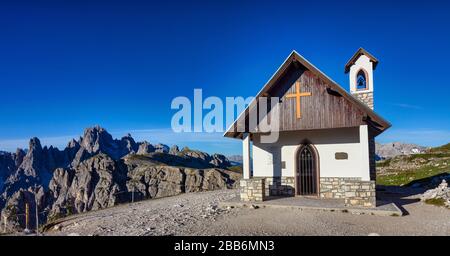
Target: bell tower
360, 68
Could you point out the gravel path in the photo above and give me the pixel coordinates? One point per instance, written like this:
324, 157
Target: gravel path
198, 214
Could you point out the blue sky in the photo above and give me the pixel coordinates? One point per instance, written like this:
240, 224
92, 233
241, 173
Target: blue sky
65, 66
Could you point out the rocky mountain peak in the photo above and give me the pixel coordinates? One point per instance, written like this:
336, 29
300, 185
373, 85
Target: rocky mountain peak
128, 145
128, 138
34, 146
18, 157
162, 148
174, 150
73, 144
7, 166
96, 139
33, 160
145, 148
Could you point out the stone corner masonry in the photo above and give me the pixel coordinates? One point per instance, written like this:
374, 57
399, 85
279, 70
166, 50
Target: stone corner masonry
252, 190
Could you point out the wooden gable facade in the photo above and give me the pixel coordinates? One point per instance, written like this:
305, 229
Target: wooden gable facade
323, 104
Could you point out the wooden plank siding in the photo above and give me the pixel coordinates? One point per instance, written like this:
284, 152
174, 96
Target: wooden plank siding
321, 110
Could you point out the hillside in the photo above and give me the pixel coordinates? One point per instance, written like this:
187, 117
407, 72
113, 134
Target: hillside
422, 169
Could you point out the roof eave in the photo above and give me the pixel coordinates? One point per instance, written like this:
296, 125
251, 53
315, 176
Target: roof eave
354, 58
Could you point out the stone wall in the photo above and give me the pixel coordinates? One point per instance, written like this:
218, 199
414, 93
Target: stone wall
365, 97
333, 187
252, 190
360, 193
280, 186
354, 191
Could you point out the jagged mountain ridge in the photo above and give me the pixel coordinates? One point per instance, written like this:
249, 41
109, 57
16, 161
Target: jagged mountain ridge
90, 172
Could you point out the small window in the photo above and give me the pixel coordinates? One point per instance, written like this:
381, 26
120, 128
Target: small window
361, 80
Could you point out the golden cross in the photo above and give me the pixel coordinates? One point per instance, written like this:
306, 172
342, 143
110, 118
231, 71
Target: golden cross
297, 96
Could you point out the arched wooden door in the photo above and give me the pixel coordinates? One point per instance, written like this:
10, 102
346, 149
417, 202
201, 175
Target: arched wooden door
307, 171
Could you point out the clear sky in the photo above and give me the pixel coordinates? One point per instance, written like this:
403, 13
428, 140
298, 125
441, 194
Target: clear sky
65, 66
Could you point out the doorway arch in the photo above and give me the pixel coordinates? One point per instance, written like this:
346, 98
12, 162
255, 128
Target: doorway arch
307, 178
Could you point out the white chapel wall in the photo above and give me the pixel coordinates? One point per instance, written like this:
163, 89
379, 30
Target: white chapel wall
267, 158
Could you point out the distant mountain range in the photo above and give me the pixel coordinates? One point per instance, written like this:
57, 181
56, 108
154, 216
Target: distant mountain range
97, 171
389, 150
235, 159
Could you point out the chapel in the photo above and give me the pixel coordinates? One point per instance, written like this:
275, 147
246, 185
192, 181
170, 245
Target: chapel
326, 142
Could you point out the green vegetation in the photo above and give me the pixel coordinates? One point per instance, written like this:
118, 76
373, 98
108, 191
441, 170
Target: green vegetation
416, 168
139, 157
408, 177
436, 201
428, 156
444, 148
236, 168
384, 163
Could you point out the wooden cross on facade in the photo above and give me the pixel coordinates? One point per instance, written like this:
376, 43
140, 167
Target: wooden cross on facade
297, 96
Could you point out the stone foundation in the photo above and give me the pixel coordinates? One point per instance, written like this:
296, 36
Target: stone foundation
332, 187
360, 193
280, 186
354, 191
252, 190
335, 187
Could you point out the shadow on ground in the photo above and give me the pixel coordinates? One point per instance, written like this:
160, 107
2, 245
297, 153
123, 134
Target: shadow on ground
409, 193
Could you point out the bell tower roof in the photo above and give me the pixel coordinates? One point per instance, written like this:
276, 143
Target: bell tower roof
355, 57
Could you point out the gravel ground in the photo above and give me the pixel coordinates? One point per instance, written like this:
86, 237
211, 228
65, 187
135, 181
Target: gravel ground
198, 214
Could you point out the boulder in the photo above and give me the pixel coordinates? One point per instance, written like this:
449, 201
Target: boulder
440, 192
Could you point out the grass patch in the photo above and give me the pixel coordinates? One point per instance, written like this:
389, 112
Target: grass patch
399, 178
443, 148
384, 163
139, 157
436, 201
428, 156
